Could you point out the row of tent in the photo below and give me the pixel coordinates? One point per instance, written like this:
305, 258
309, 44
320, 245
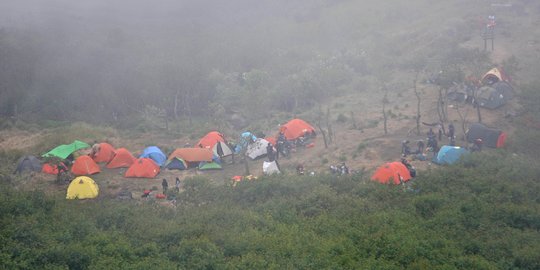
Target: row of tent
206, 155
397, 172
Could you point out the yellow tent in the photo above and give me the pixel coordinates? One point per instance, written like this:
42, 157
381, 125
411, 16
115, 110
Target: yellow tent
82, 187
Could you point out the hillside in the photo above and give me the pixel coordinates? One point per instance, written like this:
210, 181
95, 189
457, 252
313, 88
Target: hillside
140, 74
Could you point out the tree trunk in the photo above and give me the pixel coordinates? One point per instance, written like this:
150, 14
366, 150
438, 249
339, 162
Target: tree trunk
418, 100
329, 127
176, 104
353, 120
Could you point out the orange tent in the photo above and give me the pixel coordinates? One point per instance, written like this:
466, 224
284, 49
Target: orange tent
84, 165
193, 154
122, 159
392, 172
296, 128
143, 167
51, 168
105, 154
210, 139
494, 75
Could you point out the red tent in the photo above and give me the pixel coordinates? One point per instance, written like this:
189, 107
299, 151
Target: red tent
51, 168
210, 139
84, 165
296, 128
143, 167
122, 159
392, 172
105, 154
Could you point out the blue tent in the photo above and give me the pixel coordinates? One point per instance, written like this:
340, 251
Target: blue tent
154, 153
449, 154
176, 164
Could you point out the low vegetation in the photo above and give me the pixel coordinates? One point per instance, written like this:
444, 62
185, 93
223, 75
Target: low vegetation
483, 213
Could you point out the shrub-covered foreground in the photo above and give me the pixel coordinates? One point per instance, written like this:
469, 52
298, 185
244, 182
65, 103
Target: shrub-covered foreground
481, 214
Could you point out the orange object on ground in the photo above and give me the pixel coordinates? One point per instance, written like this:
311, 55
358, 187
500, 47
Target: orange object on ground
143, 167
105, 154
85, 165
51, 168
160, 196
122, 159
296, 128
392, 172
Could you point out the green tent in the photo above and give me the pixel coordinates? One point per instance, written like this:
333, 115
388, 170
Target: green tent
209, 166
64, 150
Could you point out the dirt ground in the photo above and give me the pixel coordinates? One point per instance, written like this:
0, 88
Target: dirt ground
362, 148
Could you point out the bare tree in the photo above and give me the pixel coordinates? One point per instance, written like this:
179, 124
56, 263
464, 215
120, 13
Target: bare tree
418, 100
385, 115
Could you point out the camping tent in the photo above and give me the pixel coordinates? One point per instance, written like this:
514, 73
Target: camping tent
296, 128
122, 159
449, 154
494, 96
392, 172
82, 187
154, 153
270, 167
193, 155
203, 166
105, 154
494, 75
52, 168
210, 139
176, 163
143, 167
257, 149
28, 164
215, 141
84, 165
490, 137
64, 150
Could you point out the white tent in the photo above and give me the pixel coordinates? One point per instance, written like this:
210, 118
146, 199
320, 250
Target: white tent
226, 149
270, 168
257, 149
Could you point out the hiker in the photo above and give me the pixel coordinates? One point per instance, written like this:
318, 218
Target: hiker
95, 149
62, 170
430, 133
451, 131
334, 169
300, 169
409, 166
405, 149
343, 168
281, 145
420, 144
165, 185
477, 146
440, 132
432, 143
177, 185
270, 152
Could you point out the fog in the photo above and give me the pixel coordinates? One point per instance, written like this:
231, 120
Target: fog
186, 57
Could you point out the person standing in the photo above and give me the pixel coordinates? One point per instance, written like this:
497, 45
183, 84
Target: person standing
165, 185
451, 131
270, 152
177, 185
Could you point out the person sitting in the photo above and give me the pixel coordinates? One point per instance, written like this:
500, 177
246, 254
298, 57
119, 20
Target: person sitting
409, 166
343, 169
300, 169
405, 149
477, 146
